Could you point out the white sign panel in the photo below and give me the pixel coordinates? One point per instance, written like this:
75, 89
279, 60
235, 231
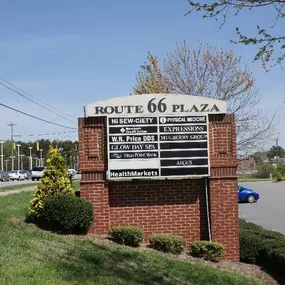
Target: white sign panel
155, 105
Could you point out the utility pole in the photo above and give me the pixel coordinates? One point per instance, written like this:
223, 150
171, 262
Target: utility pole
277, 147
12, 125
6, 161
31, 159
2, 155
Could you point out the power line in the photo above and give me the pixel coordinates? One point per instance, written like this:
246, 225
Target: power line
48, 134
31, 100
28, 94
37, 118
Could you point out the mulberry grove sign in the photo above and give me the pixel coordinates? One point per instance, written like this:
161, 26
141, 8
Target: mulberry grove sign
157, 136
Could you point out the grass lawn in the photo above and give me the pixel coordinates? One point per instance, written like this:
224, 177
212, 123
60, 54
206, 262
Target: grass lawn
29, 256
17, 187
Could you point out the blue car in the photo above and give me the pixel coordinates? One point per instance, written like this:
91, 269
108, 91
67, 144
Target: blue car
247, 195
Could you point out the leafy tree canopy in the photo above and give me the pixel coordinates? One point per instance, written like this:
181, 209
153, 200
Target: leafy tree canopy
267, 42
276, 151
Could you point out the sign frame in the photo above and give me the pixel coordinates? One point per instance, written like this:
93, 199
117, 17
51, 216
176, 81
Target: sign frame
159, 177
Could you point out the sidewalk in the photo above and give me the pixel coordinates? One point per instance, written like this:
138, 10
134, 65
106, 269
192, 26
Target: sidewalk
10, 192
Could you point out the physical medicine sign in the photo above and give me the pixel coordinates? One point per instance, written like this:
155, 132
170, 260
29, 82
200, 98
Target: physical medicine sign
157, 136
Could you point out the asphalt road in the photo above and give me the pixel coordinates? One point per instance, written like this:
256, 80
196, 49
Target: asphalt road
269, 211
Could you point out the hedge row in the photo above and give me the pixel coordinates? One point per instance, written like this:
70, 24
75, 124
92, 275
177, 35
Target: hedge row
261, 246
132, 236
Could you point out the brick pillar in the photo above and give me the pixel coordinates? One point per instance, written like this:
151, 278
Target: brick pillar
223, 184
98, 194
93, 161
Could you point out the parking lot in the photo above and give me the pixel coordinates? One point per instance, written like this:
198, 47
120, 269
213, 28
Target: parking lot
269, 211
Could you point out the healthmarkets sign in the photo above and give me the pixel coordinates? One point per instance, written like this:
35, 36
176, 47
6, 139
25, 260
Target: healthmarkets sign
157, 136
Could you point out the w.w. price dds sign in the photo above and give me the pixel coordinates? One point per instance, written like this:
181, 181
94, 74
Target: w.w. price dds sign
157, 136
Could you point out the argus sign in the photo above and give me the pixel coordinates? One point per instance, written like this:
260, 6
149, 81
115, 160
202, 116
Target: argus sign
157, 136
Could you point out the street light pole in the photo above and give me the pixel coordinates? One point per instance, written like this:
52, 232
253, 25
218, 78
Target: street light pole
36, 159
18, 147
2, 155
31, 159
6, 161
12, 166
41, 157
22, 163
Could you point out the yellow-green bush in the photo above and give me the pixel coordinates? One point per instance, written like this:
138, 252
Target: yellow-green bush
167, 243
127, 235
54, 182
207, 249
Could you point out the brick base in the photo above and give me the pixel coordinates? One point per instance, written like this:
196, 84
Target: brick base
165, 206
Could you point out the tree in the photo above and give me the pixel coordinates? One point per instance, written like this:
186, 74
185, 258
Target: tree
276, 151
68, 149
266, 42
215, 73
54, 182
150, 80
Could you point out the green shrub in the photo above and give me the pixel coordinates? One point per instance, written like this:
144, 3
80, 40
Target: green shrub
280, 168
263, 247
54, 182
249, 246
276, 259
207, 249
127, 235
167, 243
279, 177
264, 171
244, 225
67, 215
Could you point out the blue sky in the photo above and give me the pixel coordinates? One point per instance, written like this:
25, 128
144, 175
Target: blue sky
69, 53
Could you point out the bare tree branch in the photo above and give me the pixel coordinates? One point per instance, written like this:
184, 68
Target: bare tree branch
268, 44
210, 72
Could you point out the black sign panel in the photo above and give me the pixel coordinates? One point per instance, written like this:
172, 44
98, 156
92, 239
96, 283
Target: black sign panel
183, 137
183, 129
183, 145
133, 138
133, 155
153, 147
184, 171
135, 146
133, 121
184, 153
134, 173
183, 162
183, 120
132, 130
